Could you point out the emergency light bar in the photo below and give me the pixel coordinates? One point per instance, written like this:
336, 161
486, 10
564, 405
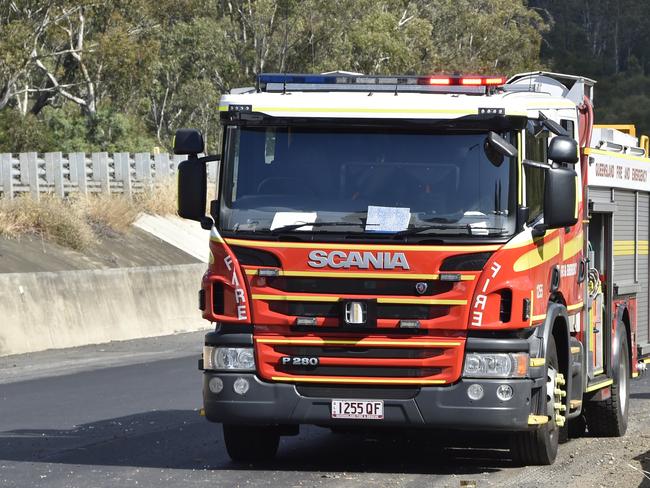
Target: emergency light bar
278, 82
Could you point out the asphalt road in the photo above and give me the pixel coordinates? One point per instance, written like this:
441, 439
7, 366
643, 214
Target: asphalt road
136, 423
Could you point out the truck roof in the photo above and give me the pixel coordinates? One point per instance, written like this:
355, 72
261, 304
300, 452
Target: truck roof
357, 104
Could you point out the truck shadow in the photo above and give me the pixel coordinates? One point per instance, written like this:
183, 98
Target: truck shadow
180, 439
644, 460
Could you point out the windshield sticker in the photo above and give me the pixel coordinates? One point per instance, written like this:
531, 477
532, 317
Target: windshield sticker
387, 219
283, 219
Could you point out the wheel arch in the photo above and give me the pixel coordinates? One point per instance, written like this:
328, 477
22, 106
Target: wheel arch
622, 319
557, 324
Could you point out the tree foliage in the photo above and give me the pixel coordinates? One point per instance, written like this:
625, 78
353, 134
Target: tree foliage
124, 74
606, 40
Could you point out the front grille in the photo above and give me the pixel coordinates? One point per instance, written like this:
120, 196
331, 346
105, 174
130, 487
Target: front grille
366, 371
397, 360
346, 286
358, 352
384, 311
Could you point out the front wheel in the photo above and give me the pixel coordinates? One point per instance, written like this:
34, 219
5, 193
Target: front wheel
608, 418
540, 446
251, 443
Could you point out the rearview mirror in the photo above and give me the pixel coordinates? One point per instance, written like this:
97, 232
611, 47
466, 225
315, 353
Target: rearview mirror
560, 200
563, 149
496, 147
192, 189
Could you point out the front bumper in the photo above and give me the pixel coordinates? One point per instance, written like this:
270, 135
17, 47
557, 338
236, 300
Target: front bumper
439, 406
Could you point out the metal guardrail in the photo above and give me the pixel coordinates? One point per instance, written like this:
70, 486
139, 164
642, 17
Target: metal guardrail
60, 174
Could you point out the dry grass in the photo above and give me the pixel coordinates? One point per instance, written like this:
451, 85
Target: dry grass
77, 222
52, 218
159, 200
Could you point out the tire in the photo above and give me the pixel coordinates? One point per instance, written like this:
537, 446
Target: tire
251, 444
539, 447
608, 418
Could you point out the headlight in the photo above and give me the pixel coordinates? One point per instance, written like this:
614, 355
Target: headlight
229, 358
495, 365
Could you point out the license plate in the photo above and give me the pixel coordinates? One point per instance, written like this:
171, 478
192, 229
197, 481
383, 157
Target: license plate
358, 409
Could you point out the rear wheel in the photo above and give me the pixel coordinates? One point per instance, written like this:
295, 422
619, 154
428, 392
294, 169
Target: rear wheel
540, 446
608, 418
251, 443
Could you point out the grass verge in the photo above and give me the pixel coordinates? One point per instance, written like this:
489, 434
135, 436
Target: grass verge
78, 221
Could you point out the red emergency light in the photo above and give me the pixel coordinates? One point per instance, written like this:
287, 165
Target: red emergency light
464, 80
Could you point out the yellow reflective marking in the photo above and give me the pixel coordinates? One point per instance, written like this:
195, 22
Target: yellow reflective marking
321, 298
537, 362
646, 360
575, 349
202, 412
538, 318
210, 258
532, 303
575, 306
537, 419
336, 379
216, 239
635, 374
591, 150
598, 386
573, 247
358, 247
360, 342
543, 253
599, 371
573, 404
368, 110
627, 248
514, 244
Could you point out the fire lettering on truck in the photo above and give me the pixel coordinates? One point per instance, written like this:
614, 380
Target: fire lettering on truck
355, 259
240, 297
481, 298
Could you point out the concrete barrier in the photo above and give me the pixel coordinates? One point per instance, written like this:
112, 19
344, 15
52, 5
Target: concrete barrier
41, 311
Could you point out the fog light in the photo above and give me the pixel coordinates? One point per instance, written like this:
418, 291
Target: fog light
216, 385
240, 386
475, 392
504, 392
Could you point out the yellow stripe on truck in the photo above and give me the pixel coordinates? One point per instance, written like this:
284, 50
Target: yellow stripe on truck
542, 253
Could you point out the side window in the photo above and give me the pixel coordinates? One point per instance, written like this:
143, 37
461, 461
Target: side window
536, 150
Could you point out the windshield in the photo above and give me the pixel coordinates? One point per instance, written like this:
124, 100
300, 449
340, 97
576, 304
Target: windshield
365, 180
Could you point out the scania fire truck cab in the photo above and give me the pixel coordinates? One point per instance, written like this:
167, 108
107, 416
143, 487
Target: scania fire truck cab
413, 252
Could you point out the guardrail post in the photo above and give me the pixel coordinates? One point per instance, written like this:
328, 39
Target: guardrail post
126, 175
29, 162
78, 167
54, 172
6, 170
100, 171
161, 165
143, 168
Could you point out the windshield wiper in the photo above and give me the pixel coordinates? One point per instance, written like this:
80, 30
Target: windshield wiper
316, 224
467, 227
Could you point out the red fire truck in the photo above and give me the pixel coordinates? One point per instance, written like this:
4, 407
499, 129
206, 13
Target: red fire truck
465, 252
